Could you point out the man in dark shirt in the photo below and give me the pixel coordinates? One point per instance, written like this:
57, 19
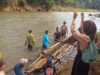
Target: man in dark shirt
57, 34
49, 69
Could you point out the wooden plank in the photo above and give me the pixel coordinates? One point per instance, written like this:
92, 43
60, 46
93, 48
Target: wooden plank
53, 50
42, 61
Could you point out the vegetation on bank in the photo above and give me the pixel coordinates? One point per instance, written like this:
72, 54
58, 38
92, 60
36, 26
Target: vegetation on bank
59, 5
69, 8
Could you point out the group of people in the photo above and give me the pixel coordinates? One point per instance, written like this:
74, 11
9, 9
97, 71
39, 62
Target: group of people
61, 32
85, 34
48, 68
57, 35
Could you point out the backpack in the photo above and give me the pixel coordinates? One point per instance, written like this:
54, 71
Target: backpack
91, 54
49, 71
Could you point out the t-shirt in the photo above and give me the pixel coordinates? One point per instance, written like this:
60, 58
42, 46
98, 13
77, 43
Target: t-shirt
64, 28
49, 70
2, 73
18, 70
57, 35
30, 39
45, 40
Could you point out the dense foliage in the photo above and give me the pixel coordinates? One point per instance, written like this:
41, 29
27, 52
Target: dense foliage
92, 4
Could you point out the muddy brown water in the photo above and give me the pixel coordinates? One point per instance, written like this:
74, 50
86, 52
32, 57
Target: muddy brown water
14, 27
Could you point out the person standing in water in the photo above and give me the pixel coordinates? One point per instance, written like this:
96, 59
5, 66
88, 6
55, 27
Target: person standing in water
45, 40
64, 29
30, 40
88, 30
57, 34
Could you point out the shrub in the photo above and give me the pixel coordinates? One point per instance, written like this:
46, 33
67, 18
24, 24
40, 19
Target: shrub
21, 3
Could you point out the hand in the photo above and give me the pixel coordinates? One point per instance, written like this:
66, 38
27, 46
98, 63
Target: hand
27, 72
75, 15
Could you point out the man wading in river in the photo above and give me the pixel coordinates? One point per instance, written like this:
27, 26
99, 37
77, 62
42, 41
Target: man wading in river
30, 40
64, 29
45, 40
57, 34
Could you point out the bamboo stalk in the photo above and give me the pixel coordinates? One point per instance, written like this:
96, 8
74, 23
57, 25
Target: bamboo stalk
54, 51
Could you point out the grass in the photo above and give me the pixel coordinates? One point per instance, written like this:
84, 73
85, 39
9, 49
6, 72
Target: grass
67, 8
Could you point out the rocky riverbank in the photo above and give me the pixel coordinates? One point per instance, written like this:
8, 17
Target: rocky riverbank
21, 9
37, 8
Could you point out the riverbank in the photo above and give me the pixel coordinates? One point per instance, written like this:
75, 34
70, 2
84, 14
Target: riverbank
67, 8
38, 8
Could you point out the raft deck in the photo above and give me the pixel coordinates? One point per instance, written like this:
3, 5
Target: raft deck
58, 52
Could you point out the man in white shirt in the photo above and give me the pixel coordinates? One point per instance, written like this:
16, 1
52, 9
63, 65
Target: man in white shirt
64, 29
2, 67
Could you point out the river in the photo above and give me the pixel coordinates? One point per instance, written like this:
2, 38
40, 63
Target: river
14, 27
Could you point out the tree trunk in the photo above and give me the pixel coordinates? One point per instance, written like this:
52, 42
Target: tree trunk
59, 2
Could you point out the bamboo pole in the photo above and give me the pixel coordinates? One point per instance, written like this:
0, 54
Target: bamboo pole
42, 61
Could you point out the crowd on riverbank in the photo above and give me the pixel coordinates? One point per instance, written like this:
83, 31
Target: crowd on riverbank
85, 37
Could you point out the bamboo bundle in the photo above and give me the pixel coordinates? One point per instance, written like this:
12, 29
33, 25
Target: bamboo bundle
55, 52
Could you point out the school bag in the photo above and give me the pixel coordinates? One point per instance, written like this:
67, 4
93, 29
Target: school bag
91, 54
49, 71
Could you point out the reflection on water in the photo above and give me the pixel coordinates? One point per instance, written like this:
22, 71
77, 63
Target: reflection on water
14, 27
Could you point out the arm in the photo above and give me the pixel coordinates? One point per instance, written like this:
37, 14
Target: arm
54, 36
77, 35
82, 21
26, 41
33, 40
48, 40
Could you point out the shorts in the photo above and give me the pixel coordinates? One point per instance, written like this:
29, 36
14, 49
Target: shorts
45, 47
30, 47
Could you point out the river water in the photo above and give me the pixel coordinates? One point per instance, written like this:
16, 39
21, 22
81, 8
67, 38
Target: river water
14, 27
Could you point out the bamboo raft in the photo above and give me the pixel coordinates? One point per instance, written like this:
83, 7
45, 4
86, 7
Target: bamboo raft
58, 52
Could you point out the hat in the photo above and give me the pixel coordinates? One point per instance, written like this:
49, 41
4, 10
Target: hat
23, 61
49, 61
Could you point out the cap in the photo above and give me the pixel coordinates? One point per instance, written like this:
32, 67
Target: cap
23, 61
49, 61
